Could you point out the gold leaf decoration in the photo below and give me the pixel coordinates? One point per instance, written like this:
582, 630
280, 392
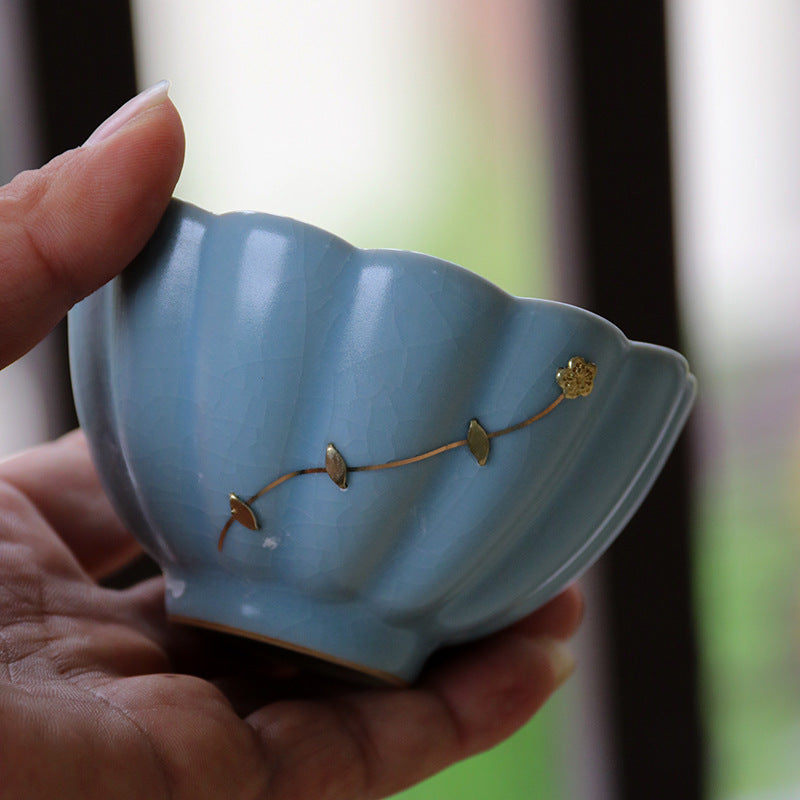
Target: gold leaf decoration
336, 466
478, 442
577, 378
243, 514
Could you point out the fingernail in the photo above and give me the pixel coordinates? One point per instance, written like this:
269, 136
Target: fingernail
149, 98
562, 662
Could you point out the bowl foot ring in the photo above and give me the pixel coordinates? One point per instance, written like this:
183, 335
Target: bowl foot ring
348, 668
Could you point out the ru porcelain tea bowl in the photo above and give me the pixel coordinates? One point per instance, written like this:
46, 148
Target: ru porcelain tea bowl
362, 455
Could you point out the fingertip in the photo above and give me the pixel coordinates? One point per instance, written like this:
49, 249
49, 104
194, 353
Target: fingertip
136, 167
573, 608
149, 98
559, 618
560, 657
494, 687
69, 227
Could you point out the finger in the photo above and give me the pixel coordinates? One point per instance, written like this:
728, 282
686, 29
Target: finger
70, 226
495, 686
558, 618
29, 547
60, 480
373, 744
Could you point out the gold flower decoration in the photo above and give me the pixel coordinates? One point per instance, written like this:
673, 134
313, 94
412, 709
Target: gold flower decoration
577, 378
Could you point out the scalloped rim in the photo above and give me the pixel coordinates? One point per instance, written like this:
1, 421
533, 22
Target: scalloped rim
627, 505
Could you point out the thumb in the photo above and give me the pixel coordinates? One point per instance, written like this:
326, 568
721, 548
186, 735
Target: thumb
69, 227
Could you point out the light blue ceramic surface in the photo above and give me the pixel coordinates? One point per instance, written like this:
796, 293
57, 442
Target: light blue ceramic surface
236, 347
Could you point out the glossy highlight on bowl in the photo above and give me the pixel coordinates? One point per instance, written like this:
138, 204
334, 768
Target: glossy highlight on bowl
360, 454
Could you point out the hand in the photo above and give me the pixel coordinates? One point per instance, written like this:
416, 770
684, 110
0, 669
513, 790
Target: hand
99, 695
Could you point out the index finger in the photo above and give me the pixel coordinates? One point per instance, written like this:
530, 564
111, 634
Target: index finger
60, 480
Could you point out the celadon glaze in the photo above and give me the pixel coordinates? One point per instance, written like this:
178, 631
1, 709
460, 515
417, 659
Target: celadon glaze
237, 347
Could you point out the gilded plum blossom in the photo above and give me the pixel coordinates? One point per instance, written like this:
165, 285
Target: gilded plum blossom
577, 378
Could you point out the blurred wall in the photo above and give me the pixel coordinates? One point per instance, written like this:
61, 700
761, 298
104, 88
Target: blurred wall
28, 405
736, 90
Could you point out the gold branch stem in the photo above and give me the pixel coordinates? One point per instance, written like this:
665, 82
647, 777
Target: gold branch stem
575, 380
534, 418
248, 518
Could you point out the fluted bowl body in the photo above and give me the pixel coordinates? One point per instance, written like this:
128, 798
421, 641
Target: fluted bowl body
237, 348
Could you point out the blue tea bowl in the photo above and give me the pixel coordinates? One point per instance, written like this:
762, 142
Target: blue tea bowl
362, 455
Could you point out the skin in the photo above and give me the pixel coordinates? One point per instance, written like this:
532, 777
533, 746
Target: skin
99, 695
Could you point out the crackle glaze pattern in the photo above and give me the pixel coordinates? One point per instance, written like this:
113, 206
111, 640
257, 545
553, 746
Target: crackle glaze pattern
237, 347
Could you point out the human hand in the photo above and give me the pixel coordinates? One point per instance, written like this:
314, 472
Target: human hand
100, 696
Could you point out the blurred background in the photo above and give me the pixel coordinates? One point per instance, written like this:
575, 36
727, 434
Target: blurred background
642, 162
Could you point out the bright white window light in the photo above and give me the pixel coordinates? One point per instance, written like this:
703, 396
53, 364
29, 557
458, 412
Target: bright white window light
308, 110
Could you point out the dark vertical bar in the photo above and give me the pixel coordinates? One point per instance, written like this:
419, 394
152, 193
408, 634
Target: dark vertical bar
625, 210
84, 64
83, 51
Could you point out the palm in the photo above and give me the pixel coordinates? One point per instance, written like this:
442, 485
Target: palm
96, 680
